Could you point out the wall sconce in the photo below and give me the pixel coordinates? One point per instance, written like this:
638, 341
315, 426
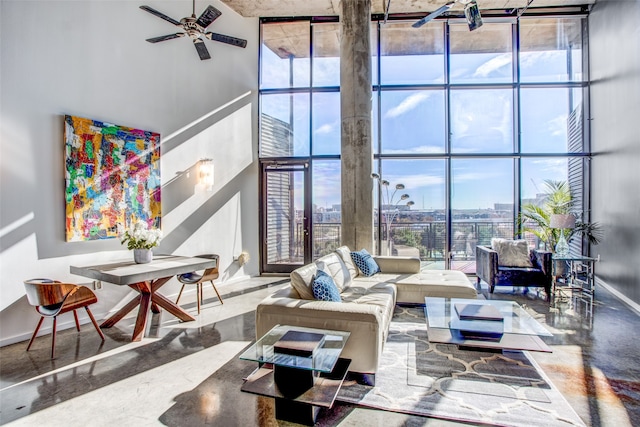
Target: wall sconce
205, 174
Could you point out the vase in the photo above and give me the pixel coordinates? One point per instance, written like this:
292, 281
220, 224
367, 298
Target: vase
142, 256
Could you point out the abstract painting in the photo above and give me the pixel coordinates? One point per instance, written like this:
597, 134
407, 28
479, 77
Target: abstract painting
112, 177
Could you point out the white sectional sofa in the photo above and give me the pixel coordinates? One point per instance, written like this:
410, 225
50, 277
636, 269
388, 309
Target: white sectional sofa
367, 302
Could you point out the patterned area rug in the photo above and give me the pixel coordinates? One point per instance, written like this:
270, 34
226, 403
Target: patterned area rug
439, 380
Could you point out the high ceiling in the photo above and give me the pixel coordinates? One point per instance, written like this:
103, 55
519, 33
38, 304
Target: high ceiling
282, 8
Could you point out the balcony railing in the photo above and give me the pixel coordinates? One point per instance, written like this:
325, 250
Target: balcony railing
427, 239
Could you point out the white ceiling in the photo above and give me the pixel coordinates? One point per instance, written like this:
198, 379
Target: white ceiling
283, 8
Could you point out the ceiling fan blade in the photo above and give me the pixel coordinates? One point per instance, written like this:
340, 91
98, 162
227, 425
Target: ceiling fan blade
434, 14
202, 49
160, 15
167, 37
209, 15
234, 41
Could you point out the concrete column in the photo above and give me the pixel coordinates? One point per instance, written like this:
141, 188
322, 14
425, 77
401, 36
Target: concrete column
355, 104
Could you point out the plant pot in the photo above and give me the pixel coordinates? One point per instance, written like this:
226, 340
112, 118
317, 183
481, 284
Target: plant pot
142, 256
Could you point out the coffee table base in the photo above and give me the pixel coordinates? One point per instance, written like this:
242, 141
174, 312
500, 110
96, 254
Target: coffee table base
507, 342
296, 412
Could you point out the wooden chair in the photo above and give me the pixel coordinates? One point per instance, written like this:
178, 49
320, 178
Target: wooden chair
194, 278
52, 298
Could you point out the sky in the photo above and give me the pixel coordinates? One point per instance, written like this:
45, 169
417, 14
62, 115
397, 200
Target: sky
413, 121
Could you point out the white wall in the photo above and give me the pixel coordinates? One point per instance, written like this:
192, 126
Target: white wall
614, 46
90, 59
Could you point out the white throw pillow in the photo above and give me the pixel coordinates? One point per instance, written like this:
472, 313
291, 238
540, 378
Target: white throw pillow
511, 253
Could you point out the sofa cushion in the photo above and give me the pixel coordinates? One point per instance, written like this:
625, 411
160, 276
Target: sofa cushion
512, 253
345, 255
302, 278
365, 262
333, 265
324, 288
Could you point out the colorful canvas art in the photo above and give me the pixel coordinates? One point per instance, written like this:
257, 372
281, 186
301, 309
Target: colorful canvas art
112, 176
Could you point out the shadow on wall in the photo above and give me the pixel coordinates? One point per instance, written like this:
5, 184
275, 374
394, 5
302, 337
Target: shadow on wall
46, 218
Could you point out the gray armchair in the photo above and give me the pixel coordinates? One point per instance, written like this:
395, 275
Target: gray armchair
489, 270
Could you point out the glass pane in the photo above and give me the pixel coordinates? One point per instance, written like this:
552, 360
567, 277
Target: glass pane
374, 122
284, 205
481, 207
412, 55
551, 50
417, 229
548, 123
284, 125
482, 56
535, 171
326, 54
413, 121
482, 121
284, 55
326, 123
326, 202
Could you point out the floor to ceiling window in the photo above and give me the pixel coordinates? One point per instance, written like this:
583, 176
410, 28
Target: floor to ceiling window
468, 124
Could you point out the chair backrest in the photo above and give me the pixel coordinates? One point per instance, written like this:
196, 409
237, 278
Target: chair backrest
46, 292
211, 272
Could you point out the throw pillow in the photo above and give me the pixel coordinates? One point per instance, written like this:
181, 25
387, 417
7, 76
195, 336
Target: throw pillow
365, 262
512, 253
324, 288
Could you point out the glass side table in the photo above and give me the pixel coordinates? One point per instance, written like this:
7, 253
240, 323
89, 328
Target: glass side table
575, 273
300, 385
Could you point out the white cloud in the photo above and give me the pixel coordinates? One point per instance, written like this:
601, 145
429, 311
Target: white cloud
529, 59
423, 149
492, 65
325, 129
558, 126
408, 104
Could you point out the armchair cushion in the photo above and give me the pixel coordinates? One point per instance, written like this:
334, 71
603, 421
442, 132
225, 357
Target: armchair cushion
512, 253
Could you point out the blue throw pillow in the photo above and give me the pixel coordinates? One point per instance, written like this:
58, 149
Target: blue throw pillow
324, 288
365, 262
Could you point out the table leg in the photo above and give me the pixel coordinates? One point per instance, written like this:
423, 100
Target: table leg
172, 308
119, 315
143, 311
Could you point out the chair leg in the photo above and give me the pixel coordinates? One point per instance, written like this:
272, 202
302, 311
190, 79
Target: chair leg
53, 337
95, 324
75, 316
179, 294
199, 294
33, 337
216, 289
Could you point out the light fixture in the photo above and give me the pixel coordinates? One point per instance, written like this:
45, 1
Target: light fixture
205, 174
562, 221
472, 13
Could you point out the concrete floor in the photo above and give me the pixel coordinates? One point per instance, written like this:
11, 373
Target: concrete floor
188, 374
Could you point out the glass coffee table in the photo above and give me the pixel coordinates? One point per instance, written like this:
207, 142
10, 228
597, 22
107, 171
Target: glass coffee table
487, 324
302, 377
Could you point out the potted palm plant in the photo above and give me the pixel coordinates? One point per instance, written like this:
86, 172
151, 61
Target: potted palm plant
536, 219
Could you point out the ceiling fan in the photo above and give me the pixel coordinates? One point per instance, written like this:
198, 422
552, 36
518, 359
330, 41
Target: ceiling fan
195, 28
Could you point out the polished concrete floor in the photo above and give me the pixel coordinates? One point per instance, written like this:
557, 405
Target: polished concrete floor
188, 374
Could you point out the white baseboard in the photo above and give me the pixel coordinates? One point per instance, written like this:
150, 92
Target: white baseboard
634, 305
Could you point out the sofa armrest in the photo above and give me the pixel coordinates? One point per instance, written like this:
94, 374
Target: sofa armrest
398, 264
544, 261
486, 264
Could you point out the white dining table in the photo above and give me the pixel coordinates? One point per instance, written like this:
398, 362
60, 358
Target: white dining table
146, 279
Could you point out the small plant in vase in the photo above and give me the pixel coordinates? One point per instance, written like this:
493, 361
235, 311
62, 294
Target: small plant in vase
141, 239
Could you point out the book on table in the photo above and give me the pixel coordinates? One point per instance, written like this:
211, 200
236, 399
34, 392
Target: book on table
488, 312
299, 343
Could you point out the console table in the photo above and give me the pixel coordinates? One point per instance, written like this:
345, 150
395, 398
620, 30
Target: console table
300, 385
579, 279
